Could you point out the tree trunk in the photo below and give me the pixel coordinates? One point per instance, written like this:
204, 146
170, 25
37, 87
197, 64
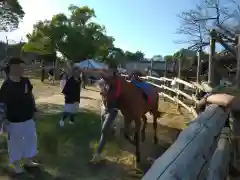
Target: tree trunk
211, 58
199, 66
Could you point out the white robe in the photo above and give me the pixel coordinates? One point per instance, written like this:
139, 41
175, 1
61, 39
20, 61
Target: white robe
22, 140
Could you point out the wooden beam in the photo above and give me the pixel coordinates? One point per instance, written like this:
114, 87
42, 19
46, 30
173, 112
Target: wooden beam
218, 168
198, 66
236, 142
193, 149
238, 64
211, 57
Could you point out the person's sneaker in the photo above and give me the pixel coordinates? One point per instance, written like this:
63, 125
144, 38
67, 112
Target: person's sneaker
96, 158
70, 122
17, 169
61, 123
29, 163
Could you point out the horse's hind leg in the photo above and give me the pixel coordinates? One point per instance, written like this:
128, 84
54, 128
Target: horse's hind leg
136, 138
127, 124
143, 130
156, 114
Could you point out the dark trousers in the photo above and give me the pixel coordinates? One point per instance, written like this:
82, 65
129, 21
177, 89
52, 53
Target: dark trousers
107, 118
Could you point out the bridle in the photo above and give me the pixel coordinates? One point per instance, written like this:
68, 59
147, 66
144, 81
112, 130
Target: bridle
112, 94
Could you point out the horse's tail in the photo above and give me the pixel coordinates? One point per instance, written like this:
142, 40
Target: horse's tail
156, 113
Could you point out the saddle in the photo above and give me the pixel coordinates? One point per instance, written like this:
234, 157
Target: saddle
145, 88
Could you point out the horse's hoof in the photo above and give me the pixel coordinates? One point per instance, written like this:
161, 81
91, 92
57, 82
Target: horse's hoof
113, 131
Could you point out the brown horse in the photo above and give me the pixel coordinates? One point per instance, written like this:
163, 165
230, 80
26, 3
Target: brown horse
133, 104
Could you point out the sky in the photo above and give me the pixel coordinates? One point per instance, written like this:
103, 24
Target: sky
145, 25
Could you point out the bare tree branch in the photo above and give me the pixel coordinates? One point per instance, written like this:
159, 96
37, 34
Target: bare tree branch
222, 15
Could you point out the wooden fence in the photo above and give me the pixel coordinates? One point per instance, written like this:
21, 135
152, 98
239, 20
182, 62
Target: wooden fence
202, 150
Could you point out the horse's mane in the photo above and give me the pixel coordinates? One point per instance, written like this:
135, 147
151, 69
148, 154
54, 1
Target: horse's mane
137, 73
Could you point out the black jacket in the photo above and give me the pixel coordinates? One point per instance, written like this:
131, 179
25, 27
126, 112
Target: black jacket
71, 90
18, 99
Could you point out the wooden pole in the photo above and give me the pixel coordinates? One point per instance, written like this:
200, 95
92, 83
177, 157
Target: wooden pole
198, 71
211, 57
179, 75
198, 65
165, 74
190, 154
218, 168
238, 63
151, 66
236, 143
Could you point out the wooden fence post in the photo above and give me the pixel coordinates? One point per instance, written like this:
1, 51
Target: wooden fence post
238, 63
198, 66
179, 76
219, 165
211, 57
165, 74
236, 141
190, 155
198, 70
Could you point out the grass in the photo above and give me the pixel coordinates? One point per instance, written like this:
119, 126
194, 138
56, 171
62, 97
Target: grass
65, 152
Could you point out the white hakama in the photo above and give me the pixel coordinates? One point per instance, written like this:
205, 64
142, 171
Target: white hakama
71, 108
22, 140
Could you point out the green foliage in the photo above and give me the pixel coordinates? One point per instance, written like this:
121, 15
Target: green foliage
77, 37
168, 58
11, 14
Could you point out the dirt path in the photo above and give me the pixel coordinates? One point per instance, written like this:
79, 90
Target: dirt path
90, 99
169, 125
50, 100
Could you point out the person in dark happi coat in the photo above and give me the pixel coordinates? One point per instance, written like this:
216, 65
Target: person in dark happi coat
18, 106
71, 92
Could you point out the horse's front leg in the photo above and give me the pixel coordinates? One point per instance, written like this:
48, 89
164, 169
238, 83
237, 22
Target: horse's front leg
155, 139
143, 130
137, 139
127, 123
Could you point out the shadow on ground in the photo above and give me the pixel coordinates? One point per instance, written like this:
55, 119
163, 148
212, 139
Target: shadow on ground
90, 88
65, 152
149, 150
89, 98
49, 108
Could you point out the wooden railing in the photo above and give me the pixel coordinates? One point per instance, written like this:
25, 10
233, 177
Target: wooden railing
165, 84
202, 150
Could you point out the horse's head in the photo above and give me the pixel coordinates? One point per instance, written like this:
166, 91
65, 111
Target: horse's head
136, 75
110, 90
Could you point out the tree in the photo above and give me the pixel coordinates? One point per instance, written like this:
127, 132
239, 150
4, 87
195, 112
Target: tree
11, 14
74, 36
157, 58
137, 56
197, 23
168, 58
